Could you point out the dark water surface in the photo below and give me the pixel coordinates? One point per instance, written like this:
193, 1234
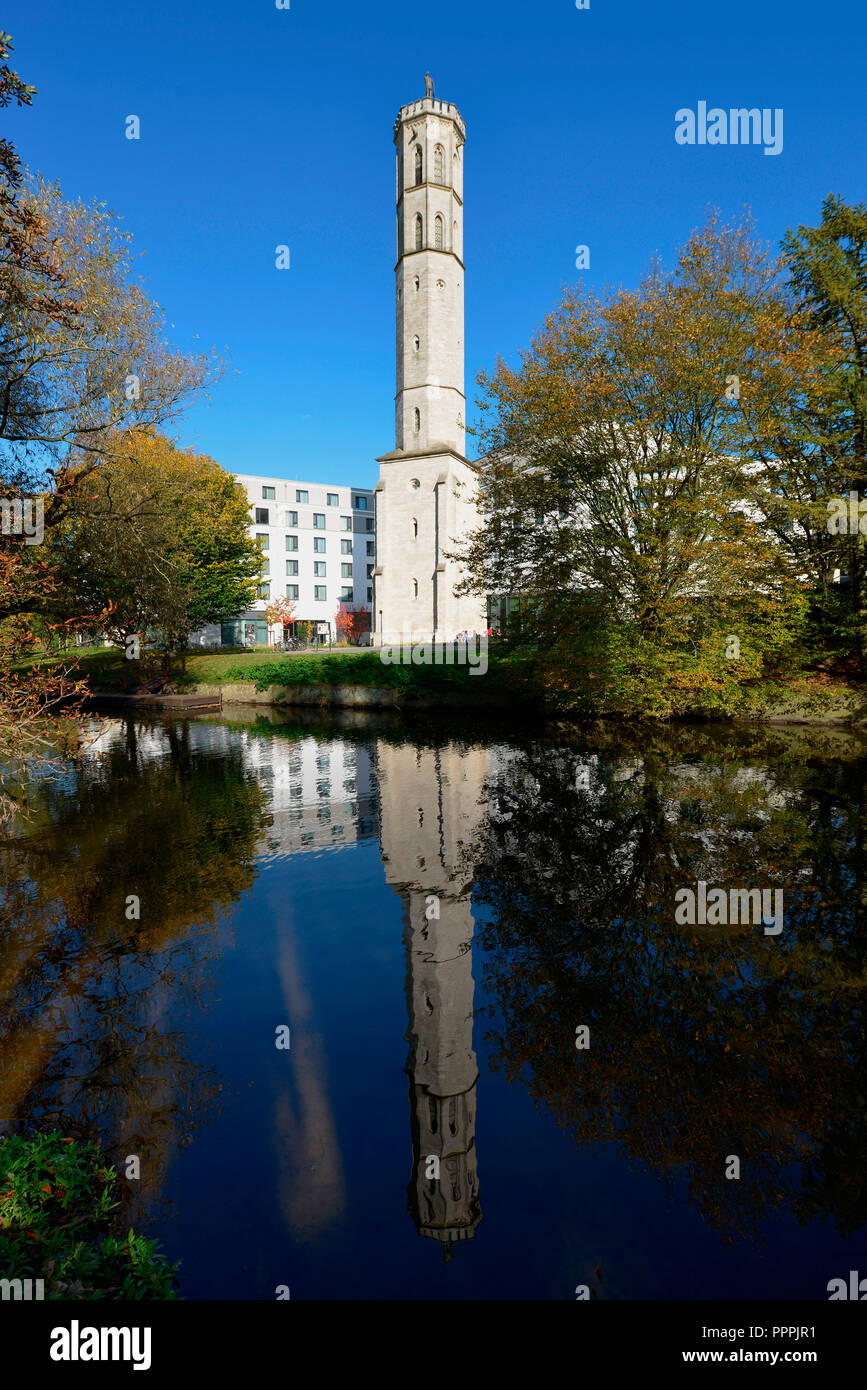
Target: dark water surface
433, 914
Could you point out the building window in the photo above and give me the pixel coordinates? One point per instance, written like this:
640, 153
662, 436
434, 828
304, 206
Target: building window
415, 588
346, 547
346, 593
417, 283
370, 571
268, 494
346, 523
345, 571
332, 499
263, 591
291, 590
361, 503
418, 169
291, 519
262, 516
291, 566
419, 232
320, 593
370, 596
414, 528
291, 542
370, 548
264, 538
266, 567
417, 420
369, 524
438, 232
318, 545
438, 164
301, 495
319, 521
415, 342
319, 569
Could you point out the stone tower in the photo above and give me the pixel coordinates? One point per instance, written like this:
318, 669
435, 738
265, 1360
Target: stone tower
430, 812
425, 495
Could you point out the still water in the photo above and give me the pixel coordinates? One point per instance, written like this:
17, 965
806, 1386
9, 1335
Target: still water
432, 914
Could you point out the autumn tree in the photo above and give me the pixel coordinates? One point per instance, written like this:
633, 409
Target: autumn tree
614, 487
159, 542
352, 623
280, 611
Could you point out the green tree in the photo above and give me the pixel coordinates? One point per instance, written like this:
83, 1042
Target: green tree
825, 454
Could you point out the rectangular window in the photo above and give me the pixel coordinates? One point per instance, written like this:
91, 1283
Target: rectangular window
346, 571
368, 525
332, 499
319, 569
291, 519
263, 591
361, 503
370, 596
346, 523
291, 542
264, 538
370, 571
291, 590
319, 521
268, 494
291, 566
262, 516
266, 567
319, 593
301, 494
346, 594
318, 545
371, 548
346, 547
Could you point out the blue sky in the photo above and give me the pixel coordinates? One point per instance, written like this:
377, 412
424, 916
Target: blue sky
262, 127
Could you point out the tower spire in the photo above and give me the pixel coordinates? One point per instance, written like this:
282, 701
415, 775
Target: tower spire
425, 496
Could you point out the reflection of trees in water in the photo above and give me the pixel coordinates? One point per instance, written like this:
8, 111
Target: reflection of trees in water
92, 1039
705, 1041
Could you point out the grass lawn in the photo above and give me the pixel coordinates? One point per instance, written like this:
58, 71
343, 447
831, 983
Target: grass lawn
106, 668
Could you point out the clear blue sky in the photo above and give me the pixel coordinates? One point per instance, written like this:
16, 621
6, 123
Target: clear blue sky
263, 126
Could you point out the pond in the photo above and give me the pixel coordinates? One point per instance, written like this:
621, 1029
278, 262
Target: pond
405, 1012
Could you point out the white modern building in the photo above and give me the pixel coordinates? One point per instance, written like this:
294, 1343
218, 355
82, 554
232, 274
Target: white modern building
319, 547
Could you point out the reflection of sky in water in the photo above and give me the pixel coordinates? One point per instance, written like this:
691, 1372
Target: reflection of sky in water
287, 877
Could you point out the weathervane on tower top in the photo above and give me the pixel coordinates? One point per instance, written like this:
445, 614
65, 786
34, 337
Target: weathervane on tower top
429, 85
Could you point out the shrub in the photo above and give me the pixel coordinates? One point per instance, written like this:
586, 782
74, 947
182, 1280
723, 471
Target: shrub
57, 1203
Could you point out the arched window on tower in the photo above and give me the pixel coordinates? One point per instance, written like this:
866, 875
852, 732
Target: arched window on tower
417, 420
415, 588
417, 282
438, 232
438, 164
414, 528
415, 342
418, 164
419, 232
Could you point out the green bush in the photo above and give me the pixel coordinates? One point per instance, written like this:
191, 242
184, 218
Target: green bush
57, 1204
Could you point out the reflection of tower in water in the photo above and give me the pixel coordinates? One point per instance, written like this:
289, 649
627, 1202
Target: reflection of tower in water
430, 811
